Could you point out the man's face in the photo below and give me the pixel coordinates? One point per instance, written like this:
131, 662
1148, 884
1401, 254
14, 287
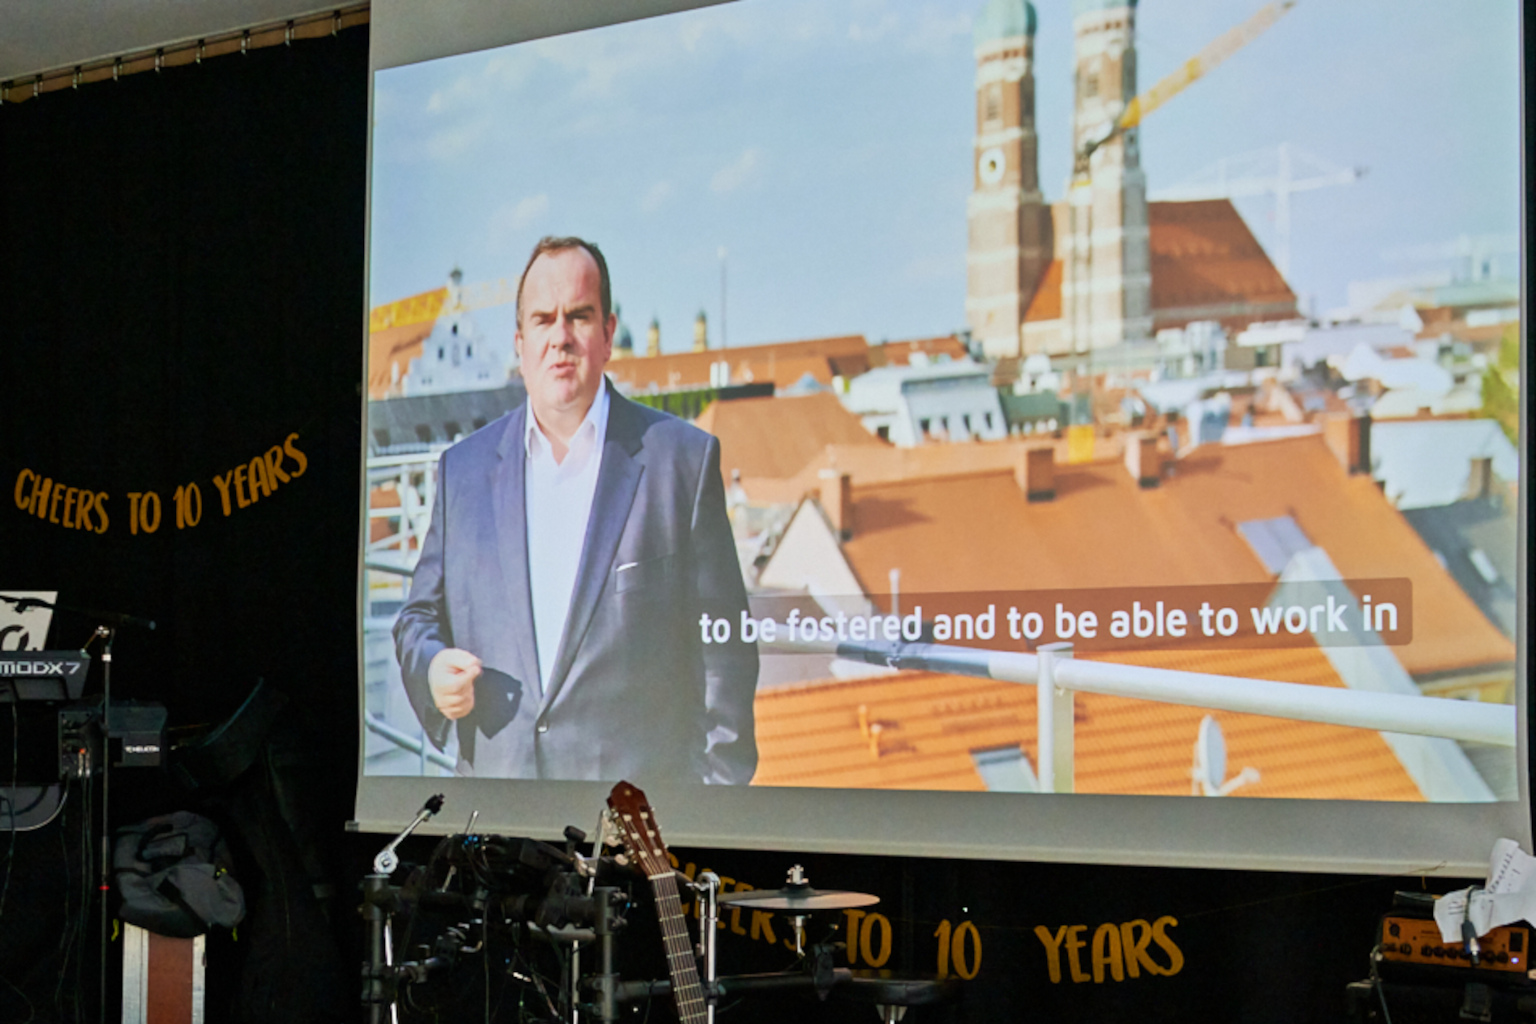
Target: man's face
563, 339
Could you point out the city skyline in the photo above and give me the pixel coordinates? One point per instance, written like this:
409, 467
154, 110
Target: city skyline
827, 148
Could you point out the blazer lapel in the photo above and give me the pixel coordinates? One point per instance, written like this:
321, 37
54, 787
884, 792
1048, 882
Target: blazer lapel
618, 477
511, 518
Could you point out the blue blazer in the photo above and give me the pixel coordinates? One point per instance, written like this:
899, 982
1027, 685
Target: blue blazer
634, 692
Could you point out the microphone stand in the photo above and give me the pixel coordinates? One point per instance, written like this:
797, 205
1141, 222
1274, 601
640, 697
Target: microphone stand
379, 904
103, 886
108, 633
116, 618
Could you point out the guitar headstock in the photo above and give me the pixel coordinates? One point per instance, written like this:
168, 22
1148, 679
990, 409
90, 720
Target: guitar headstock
637, 823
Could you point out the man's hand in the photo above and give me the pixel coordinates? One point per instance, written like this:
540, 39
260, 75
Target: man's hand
452, 675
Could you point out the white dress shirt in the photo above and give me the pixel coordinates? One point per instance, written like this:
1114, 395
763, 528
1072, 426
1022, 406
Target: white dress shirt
558, 503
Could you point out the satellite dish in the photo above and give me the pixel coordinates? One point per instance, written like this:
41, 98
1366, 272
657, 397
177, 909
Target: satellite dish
1210, 769
1210, 757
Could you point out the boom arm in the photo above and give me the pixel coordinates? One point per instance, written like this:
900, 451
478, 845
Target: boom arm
1214, 53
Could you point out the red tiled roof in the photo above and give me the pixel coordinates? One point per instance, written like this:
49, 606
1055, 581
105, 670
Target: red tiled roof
978, 533
393, 346
777, 437
872, 464
1204, 255
899, 353
783, 363
928, 725
1206, 264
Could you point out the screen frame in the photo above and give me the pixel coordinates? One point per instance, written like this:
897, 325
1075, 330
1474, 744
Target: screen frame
1261, 834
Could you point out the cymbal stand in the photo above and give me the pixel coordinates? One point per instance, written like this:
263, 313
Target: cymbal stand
379, 904
708, 887
589, 869
797, 922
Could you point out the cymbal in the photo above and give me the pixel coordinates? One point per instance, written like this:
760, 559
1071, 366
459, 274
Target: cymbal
798, 899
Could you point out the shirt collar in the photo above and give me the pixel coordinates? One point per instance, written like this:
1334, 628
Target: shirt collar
594, 427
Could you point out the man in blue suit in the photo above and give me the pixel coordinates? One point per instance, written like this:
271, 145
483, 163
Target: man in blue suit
555, 613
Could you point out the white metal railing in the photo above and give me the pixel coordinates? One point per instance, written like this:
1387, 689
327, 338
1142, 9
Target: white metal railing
1058, 676
421, 747
414, 476
390, 562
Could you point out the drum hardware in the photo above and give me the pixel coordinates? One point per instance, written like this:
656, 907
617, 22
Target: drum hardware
484, 903
799, 901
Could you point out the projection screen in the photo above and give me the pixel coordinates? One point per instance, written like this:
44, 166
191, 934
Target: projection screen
1083, 431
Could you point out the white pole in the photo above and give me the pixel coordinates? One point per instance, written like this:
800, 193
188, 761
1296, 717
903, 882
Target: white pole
1283, 212
724, 339
1493, 724
1056, 711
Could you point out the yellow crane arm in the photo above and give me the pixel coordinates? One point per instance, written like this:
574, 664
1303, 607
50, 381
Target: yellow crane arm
1214, 53
417, 309
428, 306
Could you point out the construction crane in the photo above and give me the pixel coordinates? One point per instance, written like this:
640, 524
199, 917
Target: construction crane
1081, 207
1200, 64
1281, 171
453, 297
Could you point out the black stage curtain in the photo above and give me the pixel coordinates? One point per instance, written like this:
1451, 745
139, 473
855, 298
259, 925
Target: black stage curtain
183, 284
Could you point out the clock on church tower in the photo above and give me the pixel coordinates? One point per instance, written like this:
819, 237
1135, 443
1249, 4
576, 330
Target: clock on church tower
1009, 242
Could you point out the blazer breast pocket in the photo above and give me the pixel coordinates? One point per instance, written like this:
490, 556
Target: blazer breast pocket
648, 573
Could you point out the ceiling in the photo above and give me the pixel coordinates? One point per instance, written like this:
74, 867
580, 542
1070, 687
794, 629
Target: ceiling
41, 35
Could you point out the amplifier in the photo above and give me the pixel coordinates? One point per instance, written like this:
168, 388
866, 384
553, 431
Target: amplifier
1409, 948
1413, 940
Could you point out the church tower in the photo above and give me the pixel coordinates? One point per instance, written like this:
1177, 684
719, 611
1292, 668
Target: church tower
1010, 242
1106, 291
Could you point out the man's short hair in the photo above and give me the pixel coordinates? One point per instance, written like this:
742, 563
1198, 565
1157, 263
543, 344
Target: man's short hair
550, 244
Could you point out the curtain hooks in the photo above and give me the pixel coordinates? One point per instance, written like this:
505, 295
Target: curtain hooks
159, 59
198, 57
117, 68
288, 33
77, 76
37, 86
245, 41
335, 22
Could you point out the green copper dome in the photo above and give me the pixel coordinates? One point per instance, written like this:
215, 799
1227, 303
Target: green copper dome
1004, 19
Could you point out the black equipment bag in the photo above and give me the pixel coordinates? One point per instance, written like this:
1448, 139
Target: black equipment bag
173, 876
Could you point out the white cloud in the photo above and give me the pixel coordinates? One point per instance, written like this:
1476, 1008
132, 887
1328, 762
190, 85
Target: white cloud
692, 33
449, 142
457, 93
935, 31
934, 268
529, 210
928, 29
512, 222
496, 76
656, 197
582, 81
597, 64
875, 30
738, 172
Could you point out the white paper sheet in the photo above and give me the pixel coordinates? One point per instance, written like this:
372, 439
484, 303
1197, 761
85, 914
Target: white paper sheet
1509, 896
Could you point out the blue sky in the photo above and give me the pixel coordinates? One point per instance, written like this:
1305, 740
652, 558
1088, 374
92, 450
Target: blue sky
826, 146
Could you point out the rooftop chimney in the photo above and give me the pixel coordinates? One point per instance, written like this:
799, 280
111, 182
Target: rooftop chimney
1035, 470
700, 333
1142, 460
653, 338
837, 501
1480, 478
1349, 438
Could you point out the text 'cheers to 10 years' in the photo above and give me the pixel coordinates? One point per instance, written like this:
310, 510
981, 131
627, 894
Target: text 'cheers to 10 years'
83, 508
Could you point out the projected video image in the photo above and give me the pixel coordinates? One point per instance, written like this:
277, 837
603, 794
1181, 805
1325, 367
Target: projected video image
1083, 396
